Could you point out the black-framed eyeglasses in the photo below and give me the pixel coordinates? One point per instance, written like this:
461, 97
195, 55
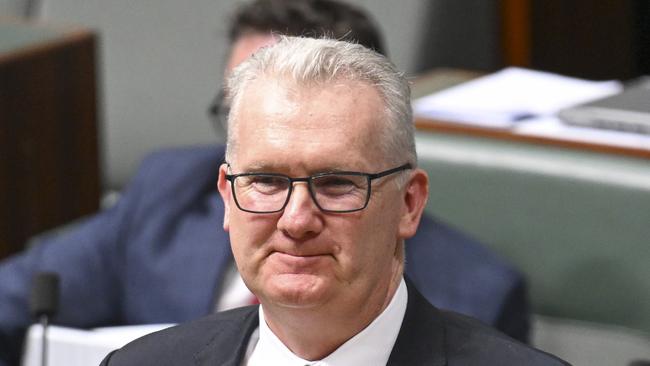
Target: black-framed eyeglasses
338, 192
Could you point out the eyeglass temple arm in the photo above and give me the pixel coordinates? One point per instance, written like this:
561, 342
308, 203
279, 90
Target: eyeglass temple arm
390, 171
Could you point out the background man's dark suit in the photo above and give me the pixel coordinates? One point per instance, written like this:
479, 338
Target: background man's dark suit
428, 336
158, 255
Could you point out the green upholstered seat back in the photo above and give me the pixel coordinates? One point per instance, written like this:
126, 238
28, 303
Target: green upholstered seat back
577, 223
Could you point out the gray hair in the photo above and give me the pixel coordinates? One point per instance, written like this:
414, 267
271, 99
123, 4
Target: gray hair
308, 61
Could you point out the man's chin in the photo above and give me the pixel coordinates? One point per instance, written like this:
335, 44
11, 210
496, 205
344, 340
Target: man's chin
297, 290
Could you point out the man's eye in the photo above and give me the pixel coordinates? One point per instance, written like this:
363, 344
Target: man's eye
337, 184
261, 179
267, 184
335, 181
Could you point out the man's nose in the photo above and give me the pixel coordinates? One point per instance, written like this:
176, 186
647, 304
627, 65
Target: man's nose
301, 217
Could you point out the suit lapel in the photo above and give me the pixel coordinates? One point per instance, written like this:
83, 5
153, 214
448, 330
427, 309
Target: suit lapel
421, 338
230, 340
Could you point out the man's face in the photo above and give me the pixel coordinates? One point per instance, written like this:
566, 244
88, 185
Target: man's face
302, 257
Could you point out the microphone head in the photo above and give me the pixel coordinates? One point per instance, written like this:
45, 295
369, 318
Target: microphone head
44, 298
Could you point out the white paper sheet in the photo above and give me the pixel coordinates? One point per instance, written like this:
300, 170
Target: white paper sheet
505, 98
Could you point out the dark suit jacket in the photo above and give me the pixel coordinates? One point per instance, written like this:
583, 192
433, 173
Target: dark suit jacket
428, 336
158, 256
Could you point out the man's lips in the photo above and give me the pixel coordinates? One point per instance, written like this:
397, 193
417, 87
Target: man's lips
298, 261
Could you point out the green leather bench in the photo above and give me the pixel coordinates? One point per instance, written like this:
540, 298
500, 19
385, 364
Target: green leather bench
576, 223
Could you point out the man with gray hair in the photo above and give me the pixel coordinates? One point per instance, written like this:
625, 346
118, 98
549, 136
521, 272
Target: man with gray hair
321, 188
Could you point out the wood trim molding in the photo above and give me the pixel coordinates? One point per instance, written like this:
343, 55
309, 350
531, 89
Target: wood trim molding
422, 124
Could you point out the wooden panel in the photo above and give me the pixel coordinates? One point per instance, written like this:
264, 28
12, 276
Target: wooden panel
515, 32
49, 171
584, 38
604, 39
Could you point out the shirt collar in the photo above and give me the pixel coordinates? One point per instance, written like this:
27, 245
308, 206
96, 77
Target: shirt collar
372, 346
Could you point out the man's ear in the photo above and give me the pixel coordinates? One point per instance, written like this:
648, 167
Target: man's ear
224, 190
416, 193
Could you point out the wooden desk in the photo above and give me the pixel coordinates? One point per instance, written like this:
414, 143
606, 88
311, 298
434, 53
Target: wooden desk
444, 78
49, 170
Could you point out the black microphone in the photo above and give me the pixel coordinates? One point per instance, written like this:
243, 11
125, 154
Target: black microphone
44, 303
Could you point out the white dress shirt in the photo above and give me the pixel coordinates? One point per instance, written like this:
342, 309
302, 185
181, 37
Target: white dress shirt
372, 346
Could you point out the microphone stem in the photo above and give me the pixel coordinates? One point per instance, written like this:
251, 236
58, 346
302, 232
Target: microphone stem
44, 320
